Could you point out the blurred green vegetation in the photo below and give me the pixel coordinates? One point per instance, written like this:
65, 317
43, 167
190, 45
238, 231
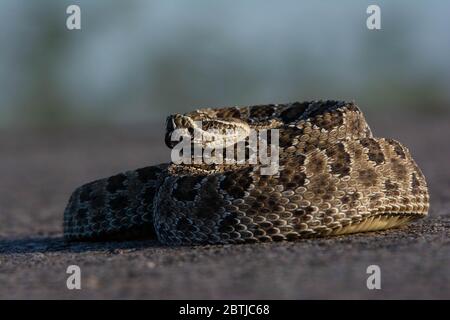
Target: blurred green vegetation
140, 60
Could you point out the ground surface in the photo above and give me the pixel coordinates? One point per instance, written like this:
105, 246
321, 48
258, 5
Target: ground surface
38, 171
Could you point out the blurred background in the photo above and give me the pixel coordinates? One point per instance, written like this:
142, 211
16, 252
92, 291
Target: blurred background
76, 106
137, 61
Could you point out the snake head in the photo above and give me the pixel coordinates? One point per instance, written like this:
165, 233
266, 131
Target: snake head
205, 129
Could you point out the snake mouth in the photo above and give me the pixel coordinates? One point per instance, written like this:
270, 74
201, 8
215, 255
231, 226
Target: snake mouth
168, 140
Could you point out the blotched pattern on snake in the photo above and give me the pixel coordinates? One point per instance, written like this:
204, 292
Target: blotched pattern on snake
334, 178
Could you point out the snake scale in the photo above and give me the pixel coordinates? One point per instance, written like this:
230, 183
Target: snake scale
334, 178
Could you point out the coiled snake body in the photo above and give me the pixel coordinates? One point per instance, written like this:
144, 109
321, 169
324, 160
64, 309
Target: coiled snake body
334, 178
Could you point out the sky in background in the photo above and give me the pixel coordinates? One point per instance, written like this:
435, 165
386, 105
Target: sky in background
139, 60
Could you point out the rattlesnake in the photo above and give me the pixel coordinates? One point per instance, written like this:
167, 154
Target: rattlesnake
334, 178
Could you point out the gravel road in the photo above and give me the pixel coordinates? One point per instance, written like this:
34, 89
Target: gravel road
39, 169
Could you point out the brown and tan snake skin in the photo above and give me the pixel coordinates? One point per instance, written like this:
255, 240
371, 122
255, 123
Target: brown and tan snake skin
334, 178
